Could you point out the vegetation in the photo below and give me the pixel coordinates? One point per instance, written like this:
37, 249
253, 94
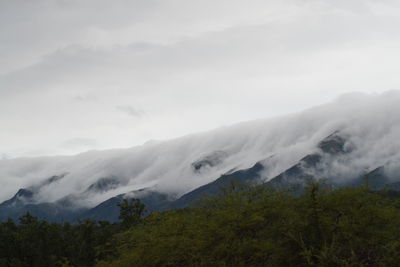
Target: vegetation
131, 212
251, 227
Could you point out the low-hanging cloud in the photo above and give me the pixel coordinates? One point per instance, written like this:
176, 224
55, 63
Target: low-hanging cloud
370, 123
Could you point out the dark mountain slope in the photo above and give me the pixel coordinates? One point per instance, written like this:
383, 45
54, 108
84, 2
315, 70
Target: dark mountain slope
334, 145
109, 210
251, 175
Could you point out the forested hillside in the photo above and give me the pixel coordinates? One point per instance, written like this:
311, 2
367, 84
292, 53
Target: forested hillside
242, 226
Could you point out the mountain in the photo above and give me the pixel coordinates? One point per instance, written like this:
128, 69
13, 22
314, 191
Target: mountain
313, 166
342, 142
241, 177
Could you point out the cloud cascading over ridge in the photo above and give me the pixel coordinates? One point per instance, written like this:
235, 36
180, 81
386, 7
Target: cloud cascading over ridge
370, 123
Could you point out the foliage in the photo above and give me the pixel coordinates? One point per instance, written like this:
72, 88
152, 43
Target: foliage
256, 226
263, 227
33, 242
131, 212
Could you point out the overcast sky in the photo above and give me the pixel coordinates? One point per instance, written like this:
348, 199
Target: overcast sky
97, 74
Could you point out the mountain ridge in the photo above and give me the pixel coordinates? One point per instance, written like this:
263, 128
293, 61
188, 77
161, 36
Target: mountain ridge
336, 142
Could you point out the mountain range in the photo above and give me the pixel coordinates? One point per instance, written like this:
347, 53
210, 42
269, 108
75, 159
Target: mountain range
348, 142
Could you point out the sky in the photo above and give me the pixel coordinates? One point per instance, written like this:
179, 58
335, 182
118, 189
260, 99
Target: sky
96, 74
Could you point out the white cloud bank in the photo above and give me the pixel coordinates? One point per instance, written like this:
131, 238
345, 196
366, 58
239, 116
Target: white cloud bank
370, 122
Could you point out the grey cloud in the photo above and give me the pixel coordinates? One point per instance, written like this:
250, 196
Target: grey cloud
131, 111
61, 23
191, 66
268, 48
85, 98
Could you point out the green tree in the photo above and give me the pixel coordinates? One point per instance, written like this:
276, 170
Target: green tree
131, 212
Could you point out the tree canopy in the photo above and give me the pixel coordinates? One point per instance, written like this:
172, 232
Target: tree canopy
253, 226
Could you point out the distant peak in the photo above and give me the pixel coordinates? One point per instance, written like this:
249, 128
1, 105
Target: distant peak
53, 179
104, 184
24, 193
213, 159
333, 144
